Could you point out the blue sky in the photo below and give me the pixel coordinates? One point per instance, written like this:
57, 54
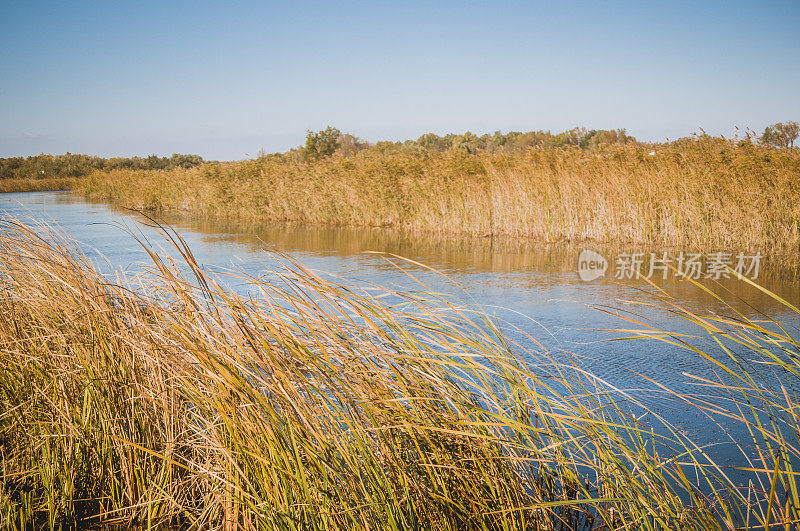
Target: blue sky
227, 79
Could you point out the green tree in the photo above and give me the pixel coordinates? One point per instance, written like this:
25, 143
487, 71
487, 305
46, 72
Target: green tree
781, 134
433, 143
322, 143
466, 143
184, 161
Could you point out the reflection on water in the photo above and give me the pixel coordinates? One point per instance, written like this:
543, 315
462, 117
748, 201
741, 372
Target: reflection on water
529, 286
512, 264
519, 280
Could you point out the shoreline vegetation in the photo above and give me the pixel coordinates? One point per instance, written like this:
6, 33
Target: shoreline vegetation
167, 401
43, 172
703, 193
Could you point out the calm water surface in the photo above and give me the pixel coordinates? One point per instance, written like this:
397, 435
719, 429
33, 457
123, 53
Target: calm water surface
530, 286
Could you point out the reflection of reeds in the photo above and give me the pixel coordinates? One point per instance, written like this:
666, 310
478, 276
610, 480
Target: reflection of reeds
317, 406
703, 194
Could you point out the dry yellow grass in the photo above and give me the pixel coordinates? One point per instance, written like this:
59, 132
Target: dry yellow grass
314, 406
706, 193
37, 185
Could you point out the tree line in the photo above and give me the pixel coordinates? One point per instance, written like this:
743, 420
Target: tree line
330, 141
70, 165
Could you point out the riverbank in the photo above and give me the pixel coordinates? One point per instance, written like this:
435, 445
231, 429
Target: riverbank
318, 406
705, 194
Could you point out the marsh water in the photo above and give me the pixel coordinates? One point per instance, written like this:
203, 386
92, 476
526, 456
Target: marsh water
528, 286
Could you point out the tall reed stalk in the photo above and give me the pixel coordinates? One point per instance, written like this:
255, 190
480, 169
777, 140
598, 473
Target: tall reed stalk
168, 400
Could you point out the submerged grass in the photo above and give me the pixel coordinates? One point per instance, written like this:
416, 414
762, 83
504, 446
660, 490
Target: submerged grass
706, 194
169, 400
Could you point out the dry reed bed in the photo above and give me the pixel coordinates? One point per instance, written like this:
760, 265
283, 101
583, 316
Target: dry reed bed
37, 185
706, 194
314, 406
